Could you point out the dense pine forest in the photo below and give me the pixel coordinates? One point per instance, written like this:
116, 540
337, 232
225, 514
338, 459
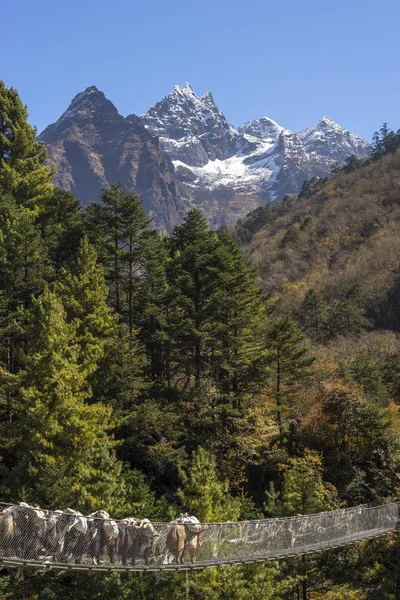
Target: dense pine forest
234, 375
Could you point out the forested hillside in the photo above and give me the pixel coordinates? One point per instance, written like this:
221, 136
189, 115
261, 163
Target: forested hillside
149, 375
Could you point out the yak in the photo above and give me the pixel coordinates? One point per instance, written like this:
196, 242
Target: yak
182, 539
136, 540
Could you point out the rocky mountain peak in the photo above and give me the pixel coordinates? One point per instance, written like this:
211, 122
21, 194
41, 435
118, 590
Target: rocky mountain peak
208, 100
191, 129
89, 101
262, 129
328, 139
88, 107
92, 145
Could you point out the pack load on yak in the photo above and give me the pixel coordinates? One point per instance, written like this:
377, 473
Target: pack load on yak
67, 536
183, 538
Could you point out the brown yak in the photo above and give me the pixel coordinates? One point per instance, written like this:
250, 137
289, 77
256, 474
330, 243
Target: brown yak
181, 539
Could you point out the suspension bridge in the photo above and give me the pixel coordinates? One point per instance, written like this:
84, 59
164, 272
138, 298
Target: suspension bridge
66, 540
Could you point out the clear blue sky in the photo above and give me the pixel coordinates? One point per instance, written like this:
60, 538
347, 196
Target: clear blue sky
292, 60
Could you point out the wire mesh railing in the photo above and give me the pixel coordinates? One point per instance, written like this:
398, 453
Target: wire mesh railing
68, 540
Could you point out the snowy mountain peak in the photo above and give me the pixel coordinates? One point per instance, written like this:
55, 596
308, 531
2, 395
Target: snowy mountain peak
328, 121
323, 126
208, 100
329, 139
190, 128
185, 90
263, 129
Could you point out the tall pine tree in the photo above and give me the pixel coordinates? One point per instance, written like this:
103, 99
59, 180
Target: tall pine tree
289, 364
119, 230
22, 173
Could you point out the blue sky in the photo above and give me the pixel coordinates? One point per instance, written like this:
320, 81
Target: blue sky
292, 60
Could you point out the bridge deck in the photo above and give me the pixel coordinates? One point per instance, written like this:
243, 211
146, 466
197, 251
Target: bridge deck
222, 544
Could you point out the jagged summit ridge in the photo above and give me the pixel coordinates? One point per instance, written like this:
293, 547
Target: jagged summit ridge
191, 129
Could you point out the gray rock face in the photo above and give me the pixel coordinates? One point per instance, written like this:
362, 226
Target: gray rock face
92, 145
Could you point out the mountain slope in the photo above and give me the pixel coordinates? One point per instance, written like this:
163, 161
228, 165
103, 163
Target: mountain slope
92, 145
340, 239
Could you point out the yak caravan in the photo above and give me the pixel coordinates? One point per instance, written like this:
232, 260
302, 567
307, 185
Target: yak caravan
64, 540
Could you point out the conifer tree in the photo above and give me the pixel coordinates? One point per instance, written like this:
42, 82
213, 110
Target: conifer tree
346, 316
51, 423
313, 314
84, 293
157, 308
120, 379
203, 494
193, 247
61, 223
237, 315
24, 270
22, 173
289, 363
119, 229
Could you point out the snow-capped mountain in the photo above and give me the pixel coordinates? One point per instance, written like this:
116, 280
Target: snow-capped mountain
262, 129
183, 151
191, 128
328, 139
228, 172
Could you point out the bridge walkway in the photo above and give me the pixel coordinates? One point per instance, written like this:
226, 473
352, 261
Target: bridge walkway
57, 541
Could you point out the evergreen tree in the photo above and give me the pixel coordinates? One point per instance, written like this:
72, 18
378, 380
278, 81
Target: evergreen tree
202, 492
346, 316
193, 247
158, 309
384, 142
289, 363
61, 223
313, 314
50, 423
237, 315
119, 230
120, 378
22, 173
24, 270
84, 293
